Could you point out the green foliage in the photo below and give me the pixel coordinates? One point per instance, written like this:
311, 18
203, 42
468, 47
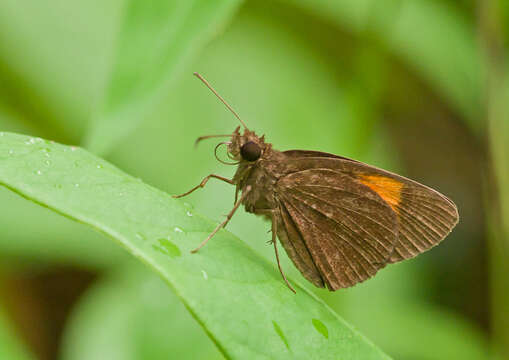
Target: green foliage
432, 37
217, 285
133, 315
310, 74
10, 346
156, 40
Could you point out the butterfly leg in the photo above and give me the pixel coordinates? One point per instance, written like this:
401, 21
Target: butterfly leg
228, 218
274, 242
271, 213
203, 182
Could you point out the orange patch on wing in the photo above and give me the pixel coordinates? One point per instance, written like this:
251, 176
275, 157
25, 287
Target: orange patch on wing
388, 189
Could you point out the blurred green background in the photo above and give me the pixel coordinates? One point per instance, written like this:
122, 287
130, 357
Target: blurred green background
419, 87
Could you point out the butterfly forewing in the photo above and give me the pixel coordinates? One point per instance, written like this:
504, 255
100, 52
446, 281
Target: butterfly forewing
424, 215
348, 230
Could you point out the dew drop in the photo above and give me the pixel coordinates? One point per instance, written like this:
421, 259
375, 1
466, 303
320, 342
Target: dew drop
179, 230
167, 247
1, 133
76, 185
46, 152
47, 162
99, 166
321, 328
280, 333
58, 186
189, 213
205, 275
121, 194
73, 148
140, 236
38, 172
11, 152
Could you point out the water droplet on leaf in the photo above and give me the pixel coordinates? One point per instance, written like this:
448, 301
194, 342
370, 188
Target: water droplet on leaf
205, 275
46, 152
321, 328
179, 230
280, 333
167, 247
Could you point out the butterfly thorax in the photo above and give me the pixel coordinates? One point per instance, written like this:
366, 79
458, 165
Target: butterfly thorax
261, 175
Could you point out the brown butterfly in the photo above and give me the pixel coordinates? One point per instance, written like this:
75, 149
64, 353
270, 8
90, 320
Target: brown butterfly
339, 220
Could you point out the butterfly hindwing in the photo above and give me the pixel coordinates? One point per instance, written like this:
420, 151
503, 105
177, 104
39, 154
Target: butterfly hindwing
296, 248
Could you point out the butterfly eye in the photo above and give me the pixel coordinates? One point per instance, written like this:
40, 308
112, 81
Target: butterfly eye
250, 151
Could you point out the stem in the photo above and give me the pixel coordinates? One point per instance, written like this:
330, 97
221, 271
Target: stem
497, 112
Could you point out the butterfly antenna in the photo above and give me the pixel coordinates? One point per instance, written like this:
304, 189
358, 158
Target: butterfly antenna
209, 137
220, 98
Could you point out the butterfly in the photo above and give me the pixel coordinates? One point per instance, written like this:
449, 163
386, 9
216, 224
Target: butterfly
339, 220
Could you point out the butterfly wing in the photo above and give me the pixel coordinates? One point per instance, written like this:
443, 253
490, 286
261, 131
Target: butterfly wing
335, 229
423, 216
296, 248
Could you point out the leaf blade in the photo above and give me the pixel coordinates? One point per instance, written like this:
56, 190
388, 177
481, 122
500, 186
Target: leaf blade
232, 292
156, 41
133, 298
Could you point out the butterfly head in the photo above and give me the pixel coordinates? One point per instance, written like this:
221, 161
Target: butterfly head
247, 147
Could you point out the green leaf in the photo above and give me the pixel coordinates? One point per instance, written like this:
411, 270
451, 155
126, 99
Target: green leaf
432, 37
133, 315
10, 346
53, 61
156, 42
50, 238
237, 297
497, 191
416, 331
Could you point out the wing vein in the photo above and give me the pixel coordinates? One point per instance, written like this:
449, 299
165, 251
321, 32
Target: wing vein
346, 242
352, 220
351, 280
